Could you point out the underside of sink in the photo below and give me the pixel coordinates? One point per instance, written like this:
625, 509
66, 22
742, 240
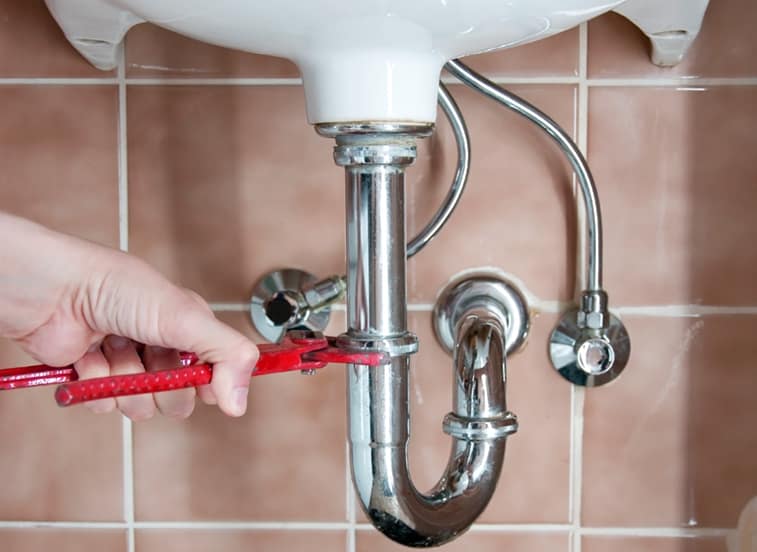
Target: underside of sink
373, 60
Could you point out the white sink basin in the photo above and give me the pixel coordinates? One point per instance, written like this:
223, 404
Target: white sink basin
361, 60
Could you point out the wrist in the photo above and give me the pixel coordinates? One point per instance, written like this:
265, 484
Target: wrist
39, 268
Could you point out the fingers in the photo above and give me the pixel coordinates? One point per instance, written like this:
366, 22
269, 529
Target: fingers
205, 392
132, 299
174, 404
123, 359
118, 356
191, 327
94, 365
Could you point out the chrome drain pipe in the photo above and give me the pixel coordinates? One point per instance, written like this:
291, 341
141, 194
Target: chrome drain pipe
375, 157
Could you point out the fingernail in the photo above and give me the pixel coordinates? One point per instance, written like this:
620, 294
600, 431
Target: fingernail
239, 397
117, 342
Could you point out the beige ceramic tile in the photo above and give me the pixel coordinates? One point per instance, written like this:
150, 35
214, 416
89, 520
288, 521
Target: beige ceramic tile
372, 541
672, 442
155, 52
284, 460
62, 540
553, 56
58, 153
517, 212
33, 45
675, 172
533, 487
239, 541
726, 46
228, 183
61, 464
652, 544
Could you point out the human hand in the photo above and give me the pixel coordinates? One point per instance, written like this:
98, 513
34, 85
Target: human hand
68, 301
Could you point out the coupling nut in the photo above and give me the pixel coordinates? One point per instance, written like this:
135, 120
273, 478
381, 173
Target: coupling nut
594, 314
394, 346
480, 429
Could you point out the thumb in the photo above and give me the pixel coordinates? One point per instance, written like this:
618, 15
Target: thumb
191, 327
133, 300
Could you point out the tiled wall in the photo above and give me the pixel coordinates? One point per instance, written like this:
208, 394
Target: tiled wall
200, 161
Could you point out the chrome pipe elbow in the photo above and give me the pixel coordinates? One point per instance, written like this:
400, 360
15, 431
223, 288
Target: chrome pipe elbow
479, 395
480, 320
479, 425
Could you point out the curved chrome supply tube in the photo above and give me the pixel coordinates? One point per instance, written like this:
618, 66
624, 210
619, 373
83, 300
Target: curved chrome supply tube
586, 181
456, 121
589, 346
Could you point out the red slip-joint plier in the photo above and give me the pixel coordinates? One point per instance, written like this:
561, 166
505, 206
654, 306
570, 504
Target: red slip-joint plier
298, 350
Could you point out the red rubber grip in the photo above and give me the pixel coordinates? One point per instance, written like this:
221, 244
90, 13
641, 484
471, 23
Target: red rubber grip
133, 384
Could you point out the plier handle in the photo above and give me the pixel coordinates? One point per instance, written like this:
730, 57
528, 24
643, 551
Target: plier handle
298, 350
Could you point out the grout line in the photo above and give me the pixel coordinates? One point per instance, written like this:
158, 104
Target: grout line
520, 528
572, 459
448, 79
578, 395
213, 82
63, 525
672, 81
656, 531
576, 392
556, 306
244, 525
128, 482
123, 230
123, 176
350, 497
44, 81
685, 311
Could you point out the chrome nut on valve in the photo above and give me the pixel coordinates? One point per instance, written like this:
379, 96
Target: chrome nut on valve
593, 312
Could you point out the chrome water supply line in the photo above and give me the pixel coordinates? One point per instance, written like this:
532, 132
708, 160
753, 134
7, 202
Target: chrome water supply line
455, 193
589, 346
